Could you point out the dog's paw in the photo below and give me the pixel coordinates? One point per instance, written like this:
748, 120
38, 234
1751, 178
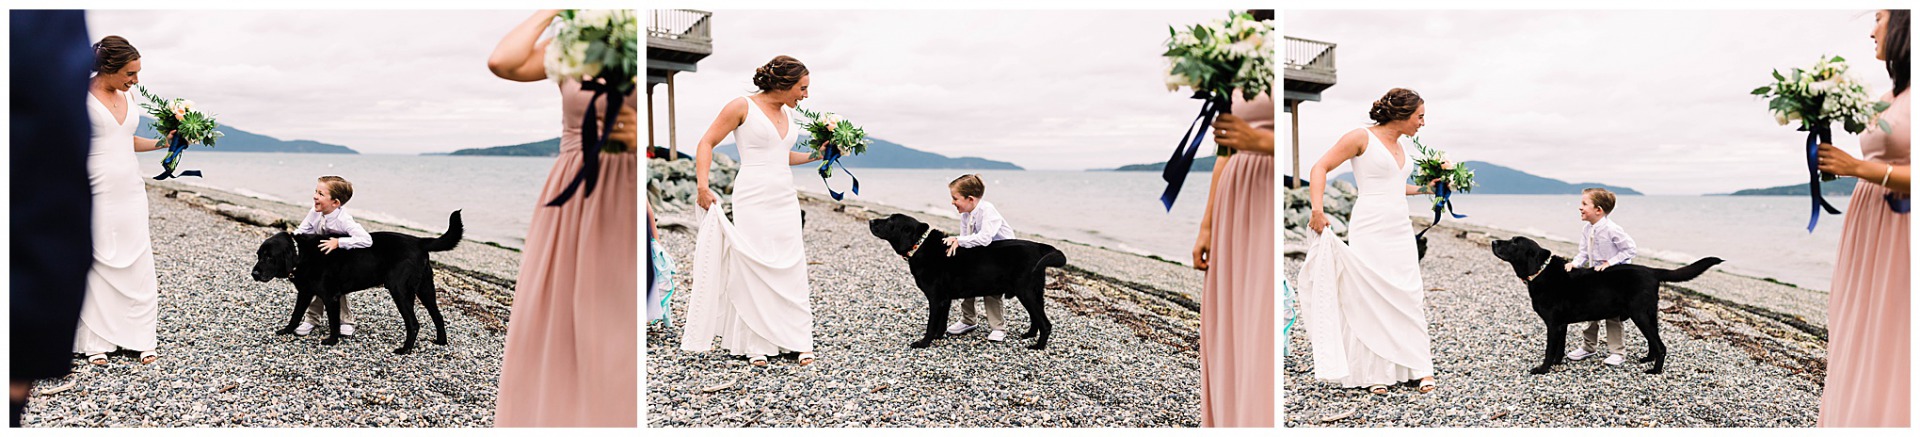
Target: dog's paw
284, 331
403, 350
330, 341
922, 344
1542, 370
440, 341
1037, 346
1653, 371
1646, 359
1030, 334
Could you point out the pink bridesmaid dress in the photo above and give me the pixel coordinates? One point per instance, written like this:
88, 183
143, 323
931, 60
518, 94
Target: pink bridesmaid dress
571, 358
1868, 318
1236, 311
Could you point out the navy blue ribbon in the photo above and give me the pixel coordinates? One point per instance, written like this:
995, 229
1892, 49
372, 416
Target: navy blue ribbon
1182, 161
1817, 133
176, 145
593, 137
830, 155
1445, 203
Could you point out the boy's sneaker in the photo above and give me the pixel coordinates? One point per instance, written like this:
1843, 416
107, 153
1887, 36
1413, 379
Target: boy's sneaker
958, 328
346, 330
997, 335
1615, 360
304, 329
1579, 353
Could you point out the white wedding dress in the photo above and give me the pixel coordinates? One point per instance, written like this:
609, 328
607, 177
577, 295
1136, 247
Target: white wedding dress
123, 296
1363, 299
750, 275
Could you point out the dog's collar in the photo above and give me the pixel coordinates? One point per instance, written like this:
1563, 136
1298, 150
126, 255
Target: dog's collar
916, 246
1543, 269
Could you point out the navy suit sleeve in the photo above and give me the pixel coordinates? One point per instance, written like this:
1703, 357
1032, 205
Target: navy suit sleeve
52, 240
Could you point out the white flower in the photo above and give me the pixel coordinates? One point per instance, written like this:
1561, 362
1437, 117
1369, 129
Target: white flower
596, 18
186, 105
1780, 117
833, 121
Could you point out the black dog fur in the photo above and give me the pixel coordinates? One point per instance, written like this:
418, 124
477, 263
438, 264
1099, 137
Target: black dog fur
1010, 268
1563, 297
396, 261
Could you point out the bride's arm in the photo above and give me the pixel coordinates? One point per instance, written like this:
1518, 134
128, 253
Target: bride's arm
730, 117
521, 55
1350, 145
142, 144
797, 158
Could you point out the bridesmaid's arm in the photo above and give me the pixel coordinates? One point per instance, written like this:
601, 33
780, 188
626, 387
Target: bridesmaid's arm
1203, 248
521, 55
1840, 163
1242, 136
797, 158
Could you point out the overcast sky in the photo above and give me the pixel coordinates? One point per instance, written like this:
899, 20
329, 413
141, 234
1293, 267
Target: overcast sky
376, 81
1657, 101
1041, 89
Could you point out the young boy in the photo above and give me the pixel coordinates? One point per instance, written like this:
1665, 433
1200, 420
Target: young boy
1603, 245
329, 217
980, 224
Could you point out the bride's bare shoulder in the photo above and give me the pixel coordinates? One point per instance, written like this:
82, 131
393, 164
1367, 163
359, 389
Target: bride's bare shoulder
1355, 139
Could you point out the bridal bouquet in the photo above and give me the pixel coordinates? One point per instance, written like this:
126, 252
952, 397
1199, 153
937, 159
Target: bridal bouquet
600, 49
183, 126
1214, 59
833, 137
1433, 165
1818, 97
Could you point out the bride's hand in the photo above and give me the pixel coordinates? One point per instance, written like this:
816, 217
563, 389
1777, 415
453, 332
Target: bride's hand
1318, 222
706, 198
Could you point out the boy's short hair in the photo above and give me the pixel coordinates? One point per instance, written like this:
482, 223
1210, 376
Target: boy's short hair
1601, 198
969, 186
338, 188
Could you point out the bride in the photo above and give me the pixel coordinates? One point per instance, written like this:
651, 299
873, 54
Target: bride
1363, 298
750, 275
121, 310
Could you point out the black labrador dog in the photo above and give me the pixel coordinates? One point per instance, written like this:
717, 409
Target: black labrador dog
1562, 297
396, 261
1010, 268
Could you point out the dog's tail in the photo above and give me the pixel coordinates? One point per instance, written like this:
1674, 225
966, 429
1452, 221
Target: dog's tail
1687, 273
447, 240
1053, 258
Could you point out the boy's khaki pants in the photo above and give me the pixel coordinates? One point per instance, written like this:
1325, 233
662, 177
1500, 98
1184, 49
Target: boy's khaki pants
317, 312
1591, 335
995, 313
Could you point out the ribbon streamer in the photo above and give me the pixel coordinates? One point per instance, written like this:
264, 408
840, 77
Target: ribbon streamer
1182, 161
176, 145
1445, 202
1817, 133
593, 137
829, 156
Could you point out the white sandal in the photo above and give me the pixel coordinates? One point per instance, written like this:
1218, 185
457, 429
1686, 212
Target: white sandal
757, 360
805, 358
99, 359
148, 357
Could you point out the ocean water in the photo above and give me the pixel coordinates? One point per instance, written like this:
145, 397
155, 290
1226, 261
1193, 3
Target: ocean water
1116, 210
1761, 236
496, 194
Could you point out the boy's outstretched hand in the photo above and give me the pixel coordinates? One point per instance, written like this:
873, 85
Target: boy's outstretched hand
953, 245
329, 245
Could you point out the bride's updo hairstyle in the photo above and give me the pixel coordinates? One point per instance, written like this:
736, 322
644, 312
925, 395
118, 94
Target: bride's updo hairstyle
113, 53
1398, 104
779, 74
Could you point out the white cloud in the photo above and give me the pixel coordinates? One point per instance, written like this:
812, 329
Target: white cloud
1042, 89
376, 81
1654, 100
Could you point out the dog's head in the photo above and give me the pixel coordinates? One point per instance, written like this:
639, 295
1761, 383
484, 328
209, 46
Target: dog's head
276, 258
1526, 256
900, 231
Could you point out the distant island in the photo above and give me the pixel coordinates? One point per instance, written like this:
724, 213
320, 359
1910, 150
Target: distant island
236, 140
547, 147
1841, 187
888, 154
1204, 163
1495, 179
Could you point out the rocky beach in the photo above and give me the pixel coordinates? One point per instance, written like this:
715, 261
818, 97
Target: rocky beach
221, 365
